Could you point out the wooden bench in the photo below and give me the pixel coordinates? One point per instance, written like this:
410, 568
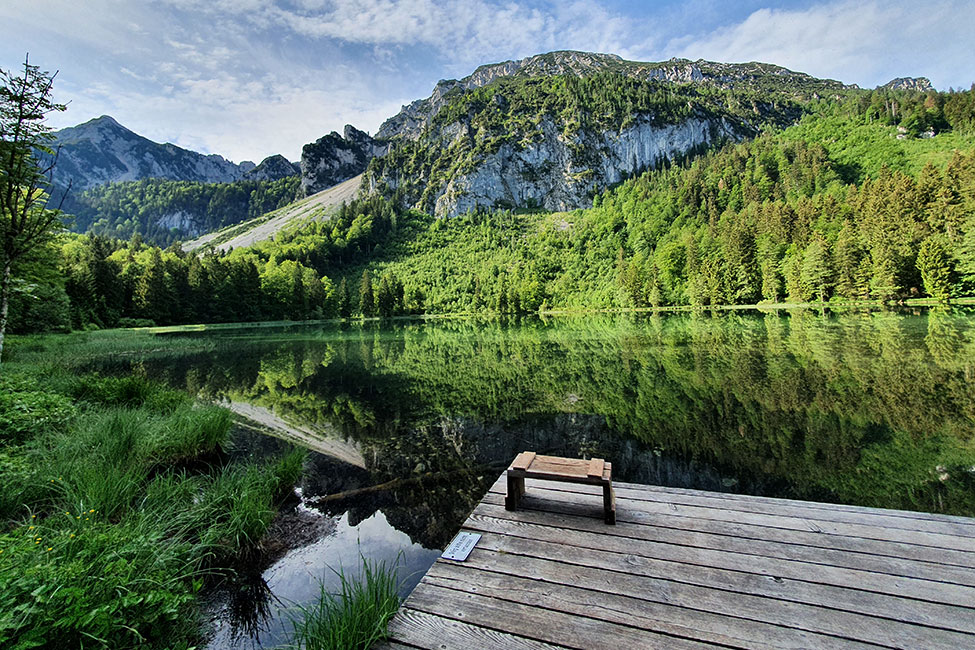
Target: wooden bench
553, 468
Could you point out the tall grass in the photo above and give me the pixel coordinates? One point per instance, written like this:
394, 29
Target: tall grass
116, 508
355, 616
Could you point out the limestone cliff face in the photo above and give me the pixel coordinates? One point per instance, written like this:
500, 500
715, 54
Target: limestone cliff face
919, 84
561, 173
335, 158
557, 172
537, 154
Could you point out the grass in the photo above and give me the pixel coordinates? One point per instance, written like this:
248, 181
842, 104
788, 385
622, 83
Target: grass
353, 618
118, 506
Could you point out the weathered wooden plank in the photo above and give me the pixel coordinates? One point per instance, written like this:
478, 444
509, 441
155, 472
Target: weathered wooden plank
555, 501
391, 645
938, 592
747, 500
544, 625
868, 516
596, 468
688, 569
863, 530
423, 630
523, 460
818, 505
770, 586
723, 629
737, 608
538, 519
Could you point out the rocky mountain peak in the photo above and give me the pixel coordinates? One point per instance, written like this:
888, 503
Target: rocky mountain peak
334, 158
411, 121
920, 84
103, 151
272, 168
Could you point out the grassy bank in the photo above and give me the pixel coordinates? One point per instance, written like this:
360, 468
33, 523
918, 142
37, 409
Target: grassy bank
118, 505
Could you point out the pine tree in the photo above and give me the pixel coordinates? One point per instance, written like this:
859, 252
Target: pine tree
152, 296
385, 298
883, 279
935, 265
343, 302
26, 220
847, 254
816, 272
367, 303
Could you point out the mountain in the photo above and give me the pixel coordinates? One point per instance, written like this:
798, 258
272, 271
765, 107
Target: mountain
551, 130
843, 194
103, 151
272, 168
919, 84
123, 183
335, 158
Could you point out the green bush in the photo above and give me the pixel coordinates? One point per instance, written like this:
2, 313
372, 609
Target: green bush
18, 480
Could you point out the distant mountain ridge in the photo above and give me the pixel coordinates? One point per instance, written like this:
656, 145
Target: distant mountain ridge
551, 130
103, 151
412, 118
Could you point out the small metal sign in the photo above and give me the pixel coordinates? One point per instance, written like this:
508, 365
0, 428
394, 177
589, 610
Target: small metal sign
461, 546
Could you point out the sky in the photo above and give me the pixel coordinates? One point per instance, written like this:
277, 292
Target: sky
251, 78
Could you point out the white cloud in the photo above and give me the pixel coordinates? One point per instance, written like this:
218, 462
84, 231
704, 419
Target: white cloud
462, 30
867, 43
248, 78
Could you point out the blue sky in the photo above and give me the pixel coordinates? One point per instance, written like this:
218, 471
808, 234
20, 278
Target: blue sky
249, 78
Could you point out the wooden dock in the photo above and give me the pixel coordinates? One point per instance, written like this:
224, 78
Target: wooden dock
691, 569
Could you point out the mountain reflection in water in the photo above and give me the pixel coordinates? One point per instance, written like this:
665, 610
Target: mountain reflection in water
409, 422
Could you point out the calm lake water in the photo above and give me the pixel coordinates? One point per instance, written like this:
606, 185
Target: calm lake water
874, 409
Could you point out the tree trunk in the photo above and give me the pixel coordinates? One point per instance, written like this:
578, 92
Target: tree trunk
4, 304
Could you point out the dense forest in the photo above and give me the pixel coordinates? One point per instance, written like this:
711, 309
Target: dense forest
162, 211
870, 196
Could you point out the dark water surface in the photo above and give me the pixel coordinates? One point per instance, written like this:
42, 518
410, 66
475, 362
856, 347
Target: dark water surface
409, 422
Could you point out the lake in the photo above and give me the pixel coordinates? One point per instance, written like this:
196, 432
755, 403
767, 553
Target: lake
408, 422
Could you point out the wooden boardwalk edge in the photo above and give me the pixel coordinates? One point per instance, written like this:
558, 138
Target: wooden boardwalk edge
687, 569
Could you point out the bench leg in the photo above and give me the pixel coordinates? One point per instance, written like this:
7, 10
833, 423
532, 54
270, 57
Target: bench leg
516, 490
609, 503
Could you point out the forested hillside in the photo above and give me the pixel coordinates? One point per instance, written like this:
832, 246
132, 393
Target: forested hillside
163, 211
870, 196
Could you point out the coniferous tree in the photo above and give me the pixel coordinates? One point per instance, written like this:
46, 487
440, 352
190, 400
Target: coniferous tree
153, 298
934, 263
816, 271
367, 301
883, 279
385, 299
343, 302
